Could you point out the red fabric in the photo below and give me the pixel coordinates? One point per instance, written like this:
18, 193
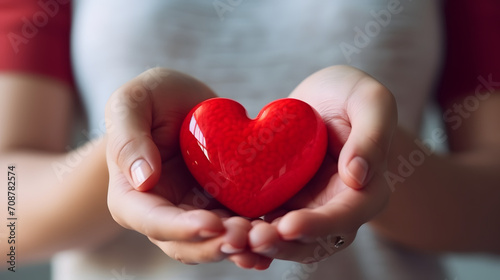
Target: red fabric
473, 47
35, 37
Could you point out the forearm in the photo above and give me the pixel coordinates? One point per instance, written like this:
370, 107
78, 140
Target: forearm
61, 200
442, 203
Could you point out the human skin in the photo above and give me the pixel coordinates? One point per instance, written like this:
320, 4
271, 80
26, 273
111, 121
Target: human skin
338, 93
362, 112
55, 213
449, 200
461, 200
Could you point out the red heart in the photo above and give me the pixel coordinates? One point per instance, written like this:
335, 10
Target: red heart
253, 166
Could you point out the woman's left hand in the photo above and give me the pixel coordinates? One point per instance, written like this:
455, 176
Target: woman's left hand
349, 189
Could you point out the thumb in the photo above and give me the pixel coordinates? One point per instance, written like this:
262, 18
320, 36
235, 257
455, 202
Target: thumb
372, 113
143, 119
130, 145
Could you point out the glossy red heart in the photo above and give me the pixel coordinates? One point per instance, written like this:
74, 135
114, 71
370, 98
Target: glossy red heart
253, 166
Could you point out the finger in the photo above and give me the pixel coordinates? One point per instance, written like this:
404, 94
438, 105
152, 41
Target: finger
192, 252
130, 144
156, 217
306, 225
210, 250
249, 260
143, 119
360, 114
235, 239
342, 215
263, 241
371, 109
263, 263
263, 238
246, 260
320, 249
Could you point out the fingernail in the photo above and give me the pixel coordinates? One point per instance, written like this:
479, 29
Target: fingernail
266, 250
227, 248
140, 172
208, 234
358, 169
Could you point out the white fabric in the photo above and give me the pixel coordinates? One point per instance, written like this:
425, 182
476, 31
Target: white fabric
253, 52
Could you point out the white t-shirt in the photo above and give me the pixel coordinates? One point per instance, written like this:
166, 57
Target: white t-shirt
254, 52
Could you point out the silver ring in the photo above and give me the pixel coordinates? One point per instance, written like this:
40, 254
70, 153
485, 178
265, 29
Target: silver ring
339, 241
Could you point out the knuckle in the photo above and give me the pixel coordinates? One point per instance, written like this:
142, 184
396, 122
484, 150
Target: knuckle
116, 217
119, 221
381, 95
116, 211
194, 253
122, 150
180, 258
374, 91
380, 144
116, 103
178, 252
211, 255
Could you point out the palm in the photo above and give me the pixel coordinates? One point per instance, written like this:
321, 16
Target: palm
349, 188
160, 198
178, 186
321, 189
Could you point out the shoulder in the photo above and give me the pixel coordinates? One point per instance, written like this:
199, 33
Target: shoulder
35, 37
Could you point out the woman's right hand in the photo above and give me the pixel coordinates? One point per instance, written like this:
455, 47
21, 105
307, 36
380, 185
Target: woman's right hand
150, 189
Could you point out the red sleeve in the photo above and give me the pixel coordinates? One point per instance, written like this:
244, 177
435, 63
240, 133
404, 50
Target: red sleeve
473, 48
35, 37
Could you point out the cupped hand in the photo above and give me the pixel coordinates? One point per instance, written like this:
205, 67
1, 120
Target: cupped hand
150, 189
349, 188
